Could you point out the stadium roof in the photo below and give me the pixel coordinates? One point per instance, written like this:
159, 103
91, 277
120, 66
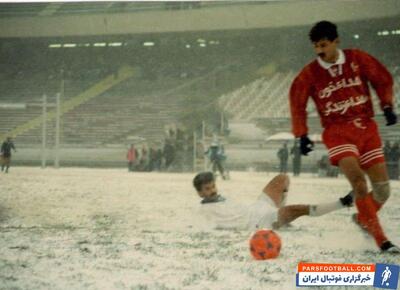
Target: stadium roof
68, 8
62, 19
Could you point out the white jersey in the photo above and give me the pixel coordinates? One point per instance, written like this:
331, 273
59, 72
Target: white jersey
230, 215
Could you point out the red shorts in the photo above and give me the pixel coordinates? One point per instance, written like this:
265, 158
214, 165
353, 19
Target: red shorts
359, 138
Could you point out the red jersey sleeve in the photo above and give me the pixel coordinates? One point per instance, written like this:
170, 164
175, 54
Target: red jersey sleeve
379, 77
300, 91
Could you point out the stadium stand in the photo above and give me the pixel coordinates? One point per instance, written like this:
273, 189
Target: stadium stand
265, 102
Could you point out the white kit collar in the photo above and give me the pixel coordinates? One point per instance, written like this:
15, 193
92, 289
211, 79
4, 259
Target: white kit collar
327, 65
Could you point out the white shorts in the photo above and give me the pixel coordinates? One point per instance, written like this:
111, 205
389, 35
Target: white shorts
262, 213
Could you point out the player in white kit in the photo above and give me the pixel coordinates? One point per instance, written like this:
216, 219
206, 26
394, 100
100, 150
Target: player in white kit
268, 211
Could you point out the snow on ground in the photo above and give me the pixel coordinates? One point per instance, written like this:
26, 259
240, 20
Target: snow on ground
77, 228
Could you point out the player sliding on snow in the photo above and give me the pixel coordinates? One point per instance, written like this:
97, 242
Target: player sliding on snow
269, 211
338, 82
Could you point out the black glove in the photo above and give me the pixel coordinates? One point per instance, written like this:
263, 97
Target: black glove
390, 116
306, 145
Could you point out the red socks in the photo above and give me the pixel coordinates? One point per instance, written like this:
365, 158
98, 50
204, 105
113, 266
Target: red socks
367, 208
377, 204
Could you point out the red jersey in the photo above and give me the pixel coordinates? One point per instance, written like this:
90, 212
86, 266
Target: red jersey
340, 91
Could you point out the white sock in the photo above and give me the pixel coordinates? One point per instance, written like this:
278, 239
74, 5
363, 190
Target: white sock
324, 208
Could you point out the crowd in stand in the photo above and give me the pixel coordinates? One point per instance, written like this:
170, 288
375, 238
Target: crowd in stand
175, 154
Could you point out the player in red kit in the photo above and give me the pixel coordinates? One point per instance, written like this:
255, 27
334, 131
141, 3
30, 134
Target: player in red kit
337, 81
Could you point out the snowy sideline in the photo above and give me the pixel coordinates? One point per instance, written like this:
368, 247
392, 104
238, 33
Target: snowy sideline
77, 228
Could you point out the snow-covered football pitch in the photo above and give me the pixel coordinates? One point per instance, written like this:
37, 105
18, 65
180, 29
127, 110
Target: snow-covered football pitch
76, 228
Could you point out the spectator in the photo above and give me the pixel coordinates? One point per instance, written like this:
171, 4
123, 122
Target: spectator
283, 155
131, 156
144, 159
393, 162
6, 154
323, 165
386, 150
223, 160
159, 157
296, 152
169, 154
153, 158
216, 156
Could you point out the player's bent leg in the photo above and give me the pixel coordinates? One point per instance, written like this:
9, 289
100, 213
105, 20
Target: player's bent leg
276, 189
379, 178
289, 213
365, 205
324, 208
355, 175
278, 184
381, 191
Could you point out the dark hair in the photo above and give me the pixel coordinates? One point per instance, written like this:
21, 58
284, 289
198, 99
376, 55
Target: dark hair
201, 179
323, 29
